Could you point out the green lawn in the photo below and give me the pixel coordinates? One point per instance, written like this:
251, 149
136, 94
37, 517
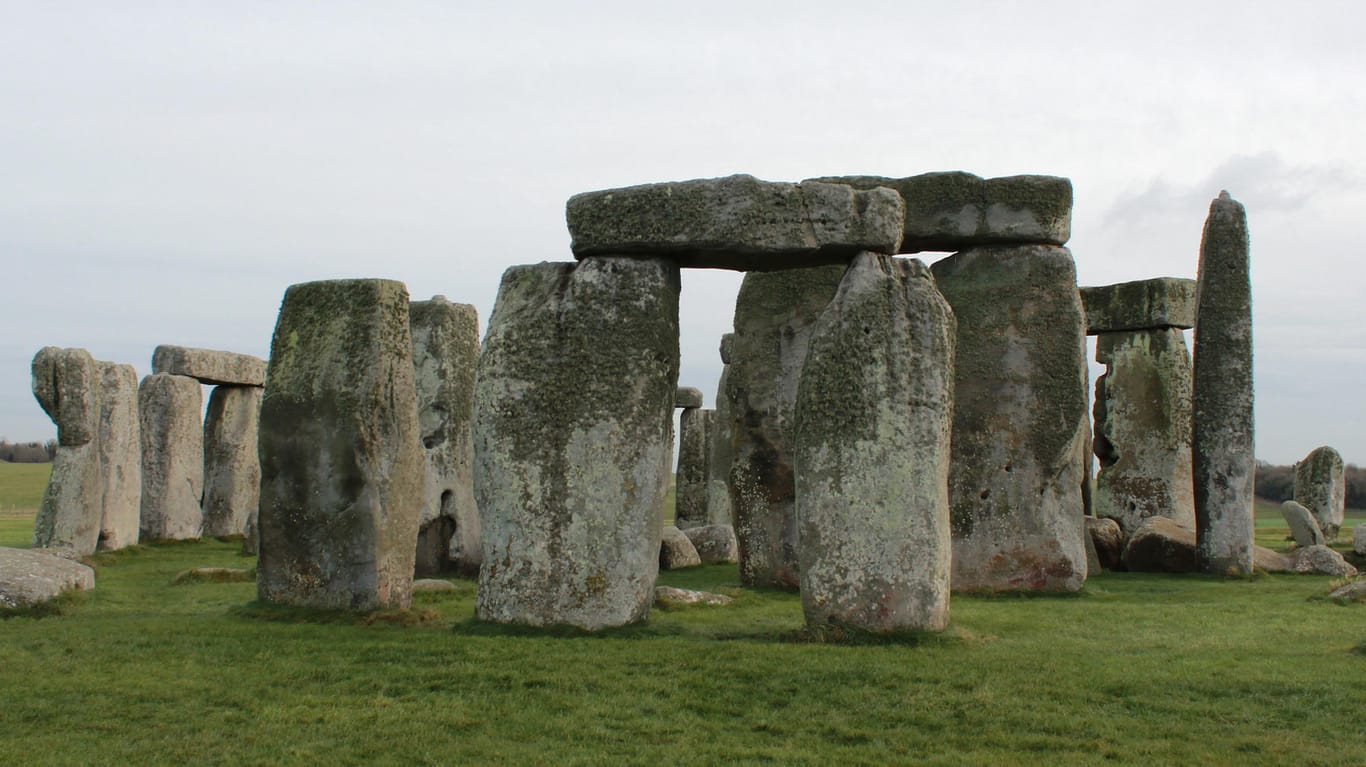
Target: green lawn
21, 493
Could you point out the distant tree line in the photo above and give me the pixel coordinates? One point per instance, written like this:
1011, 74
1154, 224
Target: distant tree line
27, 452
1277, 483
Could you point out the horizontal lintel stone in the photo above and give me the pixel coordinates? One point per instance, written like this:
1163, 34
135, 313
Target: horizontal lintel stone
1162, 302
210, 366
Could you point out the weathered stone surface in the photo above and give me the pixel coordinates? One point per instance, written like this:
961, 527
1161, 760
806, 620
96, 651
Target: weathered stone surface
1269, 561
573, 411
721, 450
688, 397
1303, 528
668, 596
29, 577
1322, 560
1359, 540
445, 353
210, 366
232, 468
954, 210
432, 586
169, 408
873, 416
774, 316
341, 456
714, 543
1321, 487
1160, 545
690, 489
1142, 428
736, 222
1020, 420
1108, 540
1159, 303
1223, 460
1355, 591
66, 383
120, 451
69, 516
676, 550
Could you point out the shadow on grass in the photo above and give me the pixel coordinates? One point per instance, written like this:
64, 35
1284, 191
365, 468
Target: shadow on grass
273, 613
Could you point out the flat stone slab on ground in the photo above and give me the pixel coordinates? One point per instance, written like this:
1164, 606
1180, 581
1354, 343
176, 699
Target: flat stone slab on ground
1320, 559
666, 596
1163, 302
29, 577
676, 550
714, 543
209, 365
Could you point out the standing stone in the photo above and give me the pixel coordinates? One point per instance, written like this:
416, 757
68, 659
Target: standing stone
573, 414
873, 417
1321, 487
341, 459
774, 316
690, 490
232, 466
721, 446
120, 456
1303, 527
445, 353
1142, 428
1020, 418
172, 435
66, 384
1222, 454
1359, 540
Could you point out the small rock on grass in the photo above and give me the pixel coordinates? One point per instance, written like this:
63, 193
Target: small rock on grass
431, 585
30, 577
668, 596
1321, 559
1352, 591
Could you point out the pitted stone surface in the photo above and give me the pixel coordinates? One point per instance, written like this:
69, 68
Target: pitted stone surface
232, 467
954, 210
1164, 302
774, 316
210, 366
1020, 421
169, 408
1303, 528
66, 383
69, 517
1108, 540
676, 550
873, 417
445, 353
721, 448
690, 489
573, 411
688, 397
29, 577
341, 457
736, 222
120, 450
1321, 560
1160, 545
1321, 487
1223, 460
714, 543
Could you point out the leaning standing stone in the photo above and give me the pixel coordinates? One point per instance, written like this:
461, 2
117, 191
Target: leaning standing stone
1019, 424
573, 413
1321, 488
232, 468
66, 384
690, 489
1222, 456
341, 460
120, 456
1303, 528
172, 433
874, 413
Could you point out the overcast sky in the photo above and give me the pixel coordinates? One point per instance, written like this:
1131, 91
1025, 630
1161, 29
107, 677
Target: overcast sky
168, 169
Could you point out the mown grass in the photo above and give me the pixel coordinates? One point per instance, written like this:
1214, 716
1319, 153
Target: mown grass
21, 493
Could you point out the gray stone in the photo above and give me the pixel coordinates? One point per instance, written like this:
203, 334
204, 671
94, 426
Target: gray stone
727, 346
688, 397
573, 414
676, 550
954, 210
774, 316
1354, 591
1020, 419
29, 577
1321, 487
721, 452
1160, 545
69, 516
66, 384
1268, 561
209, 366
668, 596
1359, 540
737, 222
232, 467
1223, 460
432, 586
172, 435
445, 353
120, 449
715, 544
1303, 528
1321, 560
1142, 428
1108, 539
873, 417
1156, 304
341, 456
690, 489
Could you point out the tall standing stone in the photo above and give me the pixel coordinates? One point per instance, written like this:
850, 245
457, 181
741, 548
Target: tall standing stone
172, 434
1020, 420
232, 466
695, 425
120, 456
445, 353
873, 418
341, 459
1222, 451
721, 445
1320, 487
66, 384
573, 410
774, 315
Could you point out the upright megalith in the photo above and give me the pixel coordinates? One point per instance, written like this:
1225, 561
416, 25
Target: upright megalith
1223, 460
721, 445
775, 313
341, 459
66, 383
232, 466
1321, 488
695, 425
873, 417
573, 406
445, 353
1020, 420
172, 435
120, 452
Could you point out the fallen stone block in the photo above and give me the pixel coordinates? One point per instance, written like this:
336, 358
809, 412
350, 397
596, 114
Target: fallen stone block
1321, 560
676, 550
209, 366
31, 577
669, 596
1160, 545
715, 544
1108, 540
1156, 304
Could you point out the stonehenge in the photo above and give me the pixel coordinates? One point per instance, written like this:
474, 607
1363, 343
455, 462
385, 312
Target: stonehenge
232, 468
120, 451
695, 426
169, 408
66, 383
1320, 487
